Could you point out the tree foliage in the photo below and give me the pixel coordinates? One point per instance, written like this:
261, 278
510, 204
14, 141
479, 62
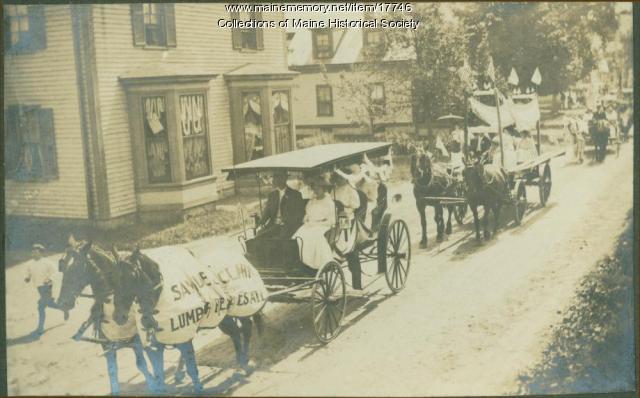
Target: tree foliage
562, 39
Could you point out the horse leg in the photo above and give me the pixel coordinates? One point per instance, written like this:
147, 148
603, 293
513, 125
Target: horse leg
485, 221
179, 376
450, 210
112, 366
141, 363
246, 326
156, 356
189, 355
229, 327
476, 221
496, 213
439, 222
422, 209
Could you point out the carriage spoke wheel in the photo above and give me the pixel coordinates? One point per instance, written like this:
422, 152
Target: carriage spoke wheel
328, 301
520, 204
398, 255
544, 185
460, 210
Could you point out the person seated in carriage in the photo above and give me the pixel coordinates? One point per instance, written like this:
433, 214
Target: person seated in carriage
526, 148
510, 159
283, 212
319, 218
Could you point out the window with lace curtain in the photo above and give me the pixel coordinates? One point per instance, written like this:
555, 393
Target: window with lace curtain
156, 137
195, 137
281, 120
252, 120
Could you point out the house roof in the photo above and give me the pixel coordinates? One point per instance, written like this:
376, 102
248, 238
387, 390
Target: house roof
348, 49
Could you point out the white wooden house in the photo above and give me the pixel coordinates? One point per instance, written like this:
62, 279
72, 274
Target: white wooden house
116, 110
329, 58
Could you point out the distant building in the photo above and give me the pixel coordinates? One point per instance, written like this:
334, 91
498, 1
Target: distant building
329, 60
117, 110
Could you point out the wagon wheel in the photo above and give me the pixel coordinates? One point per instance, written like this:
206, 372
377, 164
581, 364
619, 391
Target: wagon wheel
398, 255
460, 210
520, 204
544, 185
328, 301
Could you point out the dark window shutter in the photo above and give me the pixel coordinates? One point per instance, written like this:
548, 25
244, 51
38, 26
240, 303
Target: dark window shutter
37, 28
137, 24
47, 142
7, 33
314, 47
236, 38
170, 24
12, 139
259, 32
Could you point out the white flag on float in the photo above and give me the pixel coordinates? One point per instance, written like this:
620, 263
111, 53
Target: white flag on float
537, 77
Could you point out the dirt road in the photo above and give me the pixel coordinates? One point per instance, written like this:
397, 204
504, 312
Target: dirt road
471, 318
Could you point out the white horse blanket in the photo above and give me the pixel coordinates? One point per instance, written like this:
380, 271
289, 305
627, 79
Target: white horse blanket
246, 291
191, 297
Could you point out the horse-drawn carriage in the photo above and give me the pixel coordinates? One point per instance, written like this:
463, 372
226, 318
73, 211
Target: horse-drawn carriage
493, 112
279, 260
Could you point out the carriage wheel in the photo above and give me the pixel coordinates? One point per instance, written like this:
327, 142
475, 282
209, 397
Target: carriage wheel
328, 301
460, 210
398, 255
544, 185
520, 204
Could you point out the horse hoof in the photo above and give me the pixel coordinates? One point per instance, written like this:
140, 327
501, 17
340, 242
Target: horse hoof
197, 388
448, 231
439, 238
179, 377
423, 244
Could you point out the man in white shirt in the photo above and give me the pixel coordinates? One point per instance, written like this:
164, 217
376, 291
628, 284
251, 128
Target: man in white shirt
40, 273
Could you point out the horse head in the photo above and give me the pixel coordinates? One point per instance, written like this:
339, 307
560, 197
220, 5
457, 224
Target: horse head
421, 169
473, 174
141, 281
73, 266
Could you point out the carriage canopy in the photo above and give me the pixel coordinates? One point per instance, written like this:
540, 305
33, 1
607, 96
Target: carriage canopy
521, 111
310, 158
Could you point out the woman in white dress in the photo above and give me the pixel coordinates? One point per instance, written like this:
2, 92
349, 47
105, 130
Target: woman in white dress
526, 150
319, 218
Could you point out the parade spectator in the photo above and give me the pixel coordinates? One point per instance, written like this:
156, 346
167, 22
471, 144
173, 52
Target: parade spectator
577, 137
40, 272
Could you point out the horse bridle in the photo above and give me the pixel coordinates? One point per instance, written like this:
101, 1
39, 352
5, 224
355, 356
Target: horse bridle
148, 312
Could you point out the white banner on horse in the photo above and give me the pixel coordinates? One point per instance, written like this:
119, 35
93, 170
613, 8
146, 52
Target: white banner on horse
242, 282
190, 297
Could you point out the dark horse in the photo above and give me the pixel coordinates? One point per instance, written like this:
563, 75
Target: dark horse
430, 181
142, 281
599, 130
82, 265
487, 186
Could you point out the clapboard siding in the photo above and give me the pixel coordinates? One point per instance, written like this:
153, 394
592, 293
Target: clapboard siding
304, 96
48, 78
201, 46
